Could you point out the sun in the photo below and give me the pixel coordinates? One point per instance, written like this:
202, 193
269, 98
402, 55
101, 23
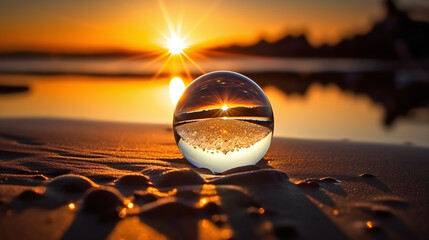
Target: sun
176, 45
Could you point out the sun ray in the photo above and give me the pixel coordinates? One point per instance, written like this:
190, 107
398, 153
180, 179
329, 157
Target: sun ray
156, 59
162, 67
166, 16
201, 19
178, 45
142, 55
188, 73
198, 55
194, 63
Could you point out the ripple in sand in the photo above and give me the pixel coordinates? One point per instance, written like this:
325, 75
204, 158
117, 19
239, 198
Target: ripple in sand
165, 208
155, 171
262, 176
71, 184
40, 177
143, 197
241, 169
30, 195
133, 181
308, 184
103, 202
329, 180
367, 175
179, 177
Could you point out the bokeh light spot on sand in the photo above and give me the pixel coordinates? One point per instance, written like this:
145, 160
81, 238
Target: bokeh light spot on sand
123, 213
203, 201
369, 224
128, 203
335, 212
71, 206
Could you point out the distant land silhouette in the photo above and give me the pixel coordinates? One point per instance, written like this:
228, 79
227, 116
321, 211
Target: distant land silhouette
398, 95
397, 36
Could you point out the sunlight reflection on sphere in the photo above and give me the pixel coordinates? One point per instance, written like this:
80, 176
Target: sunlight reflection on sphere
223, 120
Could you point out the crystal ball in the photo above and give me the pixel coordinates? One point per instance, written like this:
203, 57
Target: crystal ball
223, 120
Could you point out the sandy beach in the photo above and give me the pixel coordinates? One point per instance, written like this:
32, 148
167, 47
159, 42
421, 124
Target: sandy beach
69, 179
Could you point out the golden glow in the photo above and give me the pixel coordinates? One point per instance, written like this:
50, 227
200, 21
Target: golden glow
133, 228
128, 203
203, 201
209, 194
176, 89
146, 102
208, 189
335, 212
123, 213
208, 230
224, 108
176, 45
175, 56
323, 24
369, 224
71, 206
157, 193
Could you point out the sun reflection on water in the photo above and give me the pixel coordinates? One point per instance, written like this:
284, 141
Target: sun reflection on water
176, 89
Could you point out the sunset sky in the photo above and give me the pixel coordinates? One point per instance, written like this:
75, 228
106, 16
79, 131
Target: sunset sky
98, 25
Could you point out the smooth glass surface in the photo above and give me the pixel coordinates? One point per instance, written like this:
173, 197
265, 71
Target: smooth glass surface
223, 120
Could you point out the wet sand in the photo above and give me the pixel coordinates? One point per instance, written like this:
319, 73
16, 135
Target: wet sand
64, 179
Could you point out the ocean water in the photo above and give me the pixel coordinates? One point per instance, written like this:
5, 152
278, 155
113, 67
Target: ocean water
343, 99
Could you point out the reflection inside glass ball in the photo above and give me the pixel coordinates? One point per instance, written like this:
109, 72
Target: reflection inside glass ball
223, 120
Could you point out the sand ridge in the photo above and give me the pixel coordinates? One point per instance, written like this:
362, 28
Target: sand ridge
222, 135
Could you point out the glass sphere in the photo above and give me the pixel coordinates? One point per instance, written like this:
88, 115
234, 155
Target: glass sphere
223, 120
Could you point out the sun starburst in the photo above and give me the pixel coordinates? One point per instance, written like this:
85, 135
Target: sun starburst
176, 45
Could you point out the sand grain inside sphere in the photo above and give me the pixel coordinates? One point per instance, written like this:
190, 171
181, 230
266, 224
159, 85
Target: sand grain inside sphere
222, 135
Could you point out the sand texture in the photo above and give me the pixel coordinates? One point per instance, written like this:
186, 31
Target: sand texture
222, 135
64, 179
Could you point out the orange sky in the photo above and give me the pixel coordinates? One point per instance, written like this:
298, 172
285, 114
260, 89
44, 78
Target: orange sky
139, 25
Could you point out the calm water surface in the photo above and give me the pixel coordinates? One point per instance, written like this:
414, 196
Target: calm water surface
324, 110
